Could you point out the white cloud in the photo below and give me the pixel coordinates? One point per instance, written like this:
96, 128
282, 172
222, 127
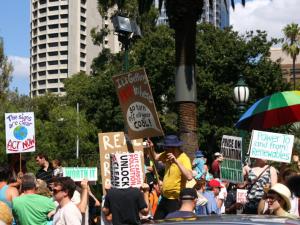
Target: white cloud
269, 15
21, 66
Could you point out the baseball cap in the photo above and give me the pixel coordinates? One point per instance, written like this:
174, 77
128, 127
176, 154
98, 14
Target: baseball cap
188, 194
217, 154
215, 183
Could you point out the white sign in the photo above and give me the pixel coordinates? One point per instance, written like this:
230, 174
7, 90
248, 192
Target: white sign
80, 173
19, 129
271, 146
241, 196
126, 170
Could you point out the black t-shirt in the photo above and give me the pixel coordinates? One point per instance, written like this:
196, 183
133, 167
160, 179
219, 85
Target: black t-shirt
45, 175
125, 205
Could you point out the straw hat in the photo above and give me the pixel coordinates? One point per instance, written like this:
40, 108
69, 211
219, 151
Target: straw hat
284, 192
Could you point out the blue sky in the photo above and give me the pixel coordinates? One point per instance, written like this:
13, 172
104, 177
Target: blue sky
267, 15
14, 29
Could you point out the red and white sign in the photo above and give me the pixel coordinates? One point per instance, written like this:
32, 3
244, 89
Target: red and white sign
241, 196
126, 170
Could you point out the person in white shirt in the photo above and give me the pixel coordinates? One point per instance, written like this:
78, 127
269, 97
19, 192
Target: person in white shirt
67, 213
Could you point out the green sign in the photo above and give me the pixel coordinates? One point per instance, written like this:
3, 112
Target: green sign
231, 166
80, 173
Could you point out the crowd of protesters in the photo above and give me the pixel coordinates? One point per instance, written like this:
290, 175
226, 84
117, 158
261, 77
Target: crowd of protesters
179, 189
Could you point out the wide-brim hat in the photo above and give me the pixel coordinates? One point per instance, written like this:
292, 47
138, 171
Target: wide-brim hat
171, 141
284, 192
199, 154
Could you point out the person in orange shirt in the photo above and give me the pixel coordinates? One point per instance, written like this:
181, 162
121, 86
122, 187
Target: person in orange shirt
154, 196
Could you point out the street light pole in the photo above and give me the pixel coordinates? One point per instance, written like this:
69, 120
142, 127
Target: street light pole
241, 95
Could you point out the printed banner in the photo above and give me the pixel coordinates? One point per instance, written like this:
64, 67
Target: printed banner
231, 167
241, 196
137, 104
80, 173
126, 170
115, 142
271, 146
19, 129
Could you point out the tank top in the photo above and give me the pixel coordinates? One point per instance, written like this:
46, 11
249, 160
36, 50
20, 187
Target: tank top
257, 189
3, 196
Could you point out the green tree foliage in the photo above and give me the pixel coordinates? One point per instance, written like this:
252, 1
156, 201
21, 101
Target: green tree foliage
292, 45
222, 55
6, 69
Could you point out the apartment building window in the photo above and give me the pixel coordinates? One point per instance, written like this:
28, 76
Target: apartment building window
35, 32
51, 72
64, 43
42, 82
63, 71
82, 19
42, 64
63, 52
62, 80
63, 25
55, 35
82, 28
53, 0
42, 91
35, 5
53, 8
51, 63
53, 81
62, 62
82, 55
42, 37
43, 10
83, 2
82, 64
42, 73
42, 19
82, 37
62, 89
34, 84
53, 26
62, 7
64, 16
34, 93
52, 53
54, 44
55, 17
52, 90
42, 55
82, 10
64, 34
34, 76
41, 2
82, 46
42, 28
34, 40
34, 14
34, 49
43, 46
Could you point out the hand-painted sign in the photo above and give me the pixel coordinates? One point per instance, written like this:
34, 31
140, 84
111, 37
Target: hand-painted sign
241, 196
80, 173
115, 142
137, 104
271, 146
19, 129
126, 170
231, 167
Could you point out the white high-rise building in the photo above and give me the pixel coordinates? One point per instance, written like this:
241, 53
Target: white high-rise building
61, 43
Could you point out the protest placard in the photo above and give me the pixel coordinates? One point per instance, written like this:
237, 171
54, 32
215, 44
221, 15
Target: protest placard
241, 196
137, 104
126, 170
19, 129
231, 167
115, 142
271, 146
80, 173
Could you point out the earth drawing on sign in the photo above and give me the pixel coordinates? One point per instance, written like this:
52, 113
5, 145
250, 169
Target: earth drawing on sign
20, 132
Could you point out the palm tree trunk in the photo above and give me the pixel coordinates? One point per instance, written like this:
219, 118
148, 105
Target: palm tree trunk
186, 95
294, 72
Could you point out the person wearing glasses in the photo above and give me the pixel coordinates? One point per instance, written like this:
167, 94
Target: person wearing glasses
278, 202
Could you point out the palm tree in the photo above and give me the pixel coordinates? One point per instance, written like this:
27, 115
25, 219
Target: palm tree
183, 16
292, 45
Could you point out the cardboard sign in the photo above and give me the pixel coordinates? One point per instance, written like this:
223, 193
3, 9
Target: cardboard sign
271, 146
115, 142
80, 173
19, 129
231, 167
241, 196
137, 104
126, 170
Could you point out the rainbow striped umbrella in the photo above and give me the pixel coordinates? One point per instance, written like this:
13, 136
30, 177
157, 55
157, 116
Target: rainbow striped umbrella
272, 111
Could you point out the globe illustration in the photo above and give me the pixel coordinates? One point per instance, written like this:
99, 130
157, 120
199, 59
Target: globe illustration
20, 132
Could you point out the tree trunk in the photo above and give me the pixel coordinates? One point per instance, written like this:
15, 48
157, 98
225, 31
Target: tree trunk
185, 82
294, 72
